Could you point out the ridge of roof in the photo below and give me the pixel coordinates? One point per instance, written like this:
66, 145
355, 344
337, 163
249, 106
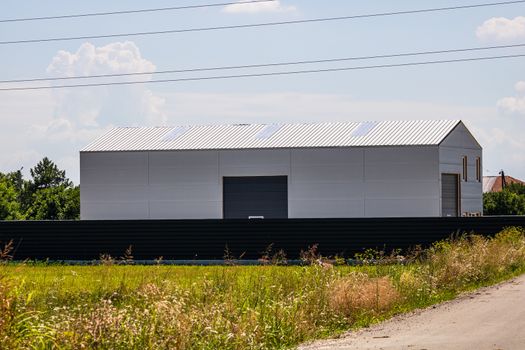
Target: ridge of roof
293, 123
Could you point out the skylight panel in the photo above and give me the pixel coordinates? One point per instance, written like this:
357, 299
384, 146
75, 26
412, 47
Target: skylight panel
364, 129
175, 133
268, 131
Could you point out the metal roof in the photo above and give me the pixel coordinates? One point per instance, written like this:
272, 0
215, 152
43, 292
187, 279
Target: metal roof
254, 136
495, 183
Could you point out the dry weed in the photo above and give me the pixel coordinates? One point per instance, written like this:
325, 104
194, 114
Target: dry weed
7, 312
269, 257
6, 306
106, 259
6, 253
310, 256
358, 292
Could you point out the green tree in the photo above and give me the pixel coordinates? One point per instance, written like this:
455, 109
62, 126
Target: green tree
70, 210
516, 188
48, 195
9, 204
53, 196
505, 202
17, 179
46, 174
22, 187
55, 203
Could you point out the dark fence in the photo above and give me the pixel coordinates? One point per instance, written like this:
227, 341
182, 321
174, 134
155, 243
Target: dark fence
207, 239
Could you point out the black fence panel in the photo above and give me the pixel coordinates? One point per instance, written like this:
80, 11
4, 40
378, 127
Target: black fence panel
207, 239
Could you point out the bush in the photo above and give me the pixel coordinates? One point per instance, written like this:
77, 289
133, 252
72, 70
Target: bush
510, 201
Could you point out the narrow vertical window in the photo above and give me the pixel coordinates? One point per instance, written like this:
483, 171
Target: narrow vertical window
478, 169
465, 167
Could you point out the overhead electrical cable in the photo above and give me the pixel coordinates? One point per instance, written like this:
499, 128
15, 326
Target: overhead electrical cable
255, 25
93, 14
251, 75
262, 65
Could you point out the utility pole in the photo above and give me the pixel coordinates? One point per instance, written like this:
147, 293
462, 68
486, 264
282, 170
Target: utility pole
503, 182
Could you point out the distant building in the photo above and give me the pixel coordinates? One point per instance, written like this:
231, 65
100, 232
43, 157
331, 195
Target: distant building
495, 183
319, 170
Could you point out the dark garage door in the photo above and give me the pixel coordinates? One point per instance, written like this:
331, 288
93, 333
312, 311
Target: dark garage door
449, 194
265, 196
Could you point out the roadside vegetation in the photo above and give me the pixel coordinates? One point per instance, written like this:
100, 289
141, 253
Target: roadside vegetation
118, 305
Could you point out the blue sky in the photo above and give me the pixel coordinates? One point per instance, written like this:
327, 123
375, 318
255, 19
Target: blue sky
489, 96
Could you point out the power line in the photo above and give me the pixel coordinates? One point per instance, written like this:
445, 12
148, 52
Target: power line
261, 65
255, 25
267, 74
174, 8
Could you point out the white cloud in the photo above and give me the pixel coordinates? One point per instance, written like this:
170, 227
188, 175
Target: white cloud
259, 7
520, 87
502, 29
96, 106
514, 104
90, 60
58, 123
152, 106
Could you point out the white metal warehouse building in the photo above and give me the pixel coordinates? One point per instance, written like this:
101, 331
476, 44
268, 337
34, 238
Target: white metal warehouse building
320, 170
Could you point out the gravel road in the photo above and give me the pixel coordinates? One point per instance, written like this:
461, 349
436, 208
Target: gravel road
490, 318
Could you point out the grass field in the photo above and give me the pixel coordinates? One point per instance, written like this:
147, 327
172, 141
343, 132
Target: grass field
236, 307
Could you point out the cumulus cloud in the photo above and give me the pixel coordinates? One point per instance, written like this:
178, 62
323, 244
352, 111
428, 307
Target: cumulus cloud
514, 104
502, 29
88, 60
99, 106
258, 7
58, 123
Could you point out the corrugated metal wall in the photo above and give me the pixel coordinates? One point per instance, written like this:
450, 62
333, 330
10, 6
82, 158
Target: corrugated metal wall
206, 239
322, 183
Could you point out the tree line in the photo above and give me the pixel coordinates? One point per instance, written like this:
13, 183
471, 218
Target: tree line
47, 195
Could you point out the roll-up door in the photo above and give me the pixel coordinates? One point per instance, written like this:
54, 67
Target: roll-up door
256, 197
450, 194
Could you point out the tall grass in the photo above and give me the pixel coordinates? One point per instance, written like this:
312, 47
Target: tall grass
236, 307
